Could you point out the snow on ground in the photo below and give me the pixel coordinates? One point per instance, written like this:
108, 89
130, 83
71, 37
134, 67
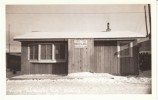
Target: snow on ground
79, 83
10, 74
145, 74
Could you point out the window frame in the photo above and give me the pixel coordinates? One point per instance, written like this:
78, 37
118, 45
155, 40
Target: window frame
29, 51
52, 60
130, 48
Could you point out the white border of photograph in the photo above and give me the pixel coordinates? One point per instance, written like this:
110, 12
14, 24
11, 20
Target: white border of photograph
3, 95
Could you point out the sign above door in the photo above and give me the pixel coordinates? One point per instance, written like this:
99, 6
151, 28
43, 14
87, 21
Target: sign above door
80, 43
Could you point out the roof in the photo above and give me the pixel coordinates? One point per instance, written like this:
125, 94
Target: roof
65, 35
14, 53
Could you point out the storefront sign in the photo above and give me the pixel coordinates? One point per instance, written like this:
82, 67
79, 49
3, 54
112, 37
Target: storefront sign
80, 43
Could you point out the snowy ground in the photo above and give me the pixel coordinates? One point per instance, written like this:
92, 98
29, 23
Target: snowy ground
79, 83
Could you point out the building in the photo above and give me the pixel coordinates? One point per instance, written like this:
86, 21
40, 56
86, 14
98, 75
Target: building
145, 54
13, 61
69, 52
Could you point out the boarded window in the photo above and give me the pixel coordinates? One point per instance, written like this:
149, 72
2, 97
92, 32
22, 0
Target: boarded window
33, 52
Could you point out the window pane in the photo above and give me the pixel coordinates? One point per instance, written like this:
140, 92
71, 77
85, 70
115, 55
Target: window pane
49, 51
33, 52
124, 49
43, 51
59, 51
46, 51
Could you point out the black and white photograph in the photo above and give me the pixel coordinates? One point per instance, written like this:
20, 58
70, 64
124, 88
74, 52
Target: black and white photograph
79, 49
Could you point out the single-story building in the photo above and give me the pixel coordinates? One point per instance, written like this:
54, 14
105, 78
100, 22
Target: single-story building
69, 52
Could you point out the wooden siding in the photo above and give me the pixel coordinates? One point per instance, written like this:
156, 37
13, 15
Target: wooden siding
106, 60
145, 46
25, 65
98, 56
28, 67
105, 57
13, 61
129, 65
55, 68
80, 59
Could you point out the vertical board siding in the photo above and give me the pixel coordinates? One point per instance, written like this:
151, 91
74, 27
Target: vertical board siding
55, 68
105, 57
99, 56
135, 59
25, 65
28, 67
80, 59
126, 64
145, 46
129, 65
59, 68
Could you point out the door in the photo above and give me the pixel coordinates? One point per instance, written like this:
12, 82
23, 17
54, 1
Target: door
105, 57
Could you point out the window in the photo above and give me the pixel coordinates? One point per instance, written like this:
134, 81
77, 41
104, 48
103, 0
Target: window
48, 53
124, 48
33, 52
59, 51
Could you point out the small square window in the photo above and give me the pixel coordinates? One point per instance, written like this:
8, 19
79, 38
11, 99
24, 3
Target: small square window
125, 49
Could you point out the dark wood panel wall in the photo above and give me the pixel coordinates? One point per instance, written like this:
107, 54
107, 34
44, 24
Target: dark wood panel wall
80, 59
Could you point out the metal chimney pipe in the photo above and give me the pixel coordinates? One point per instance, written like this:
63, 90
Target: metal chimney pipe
108, 27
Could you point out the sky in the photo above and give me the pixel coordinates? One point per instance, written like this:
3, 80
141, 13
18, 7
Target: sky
72, 18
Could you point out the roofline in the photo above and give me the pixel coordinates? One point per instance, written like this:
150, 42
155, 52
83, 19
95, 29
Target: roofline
65, 39
46, 36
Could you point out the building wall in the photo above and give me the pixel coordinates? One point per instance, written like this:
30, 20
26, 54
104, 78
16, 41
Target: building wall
25, 65
106, 60
101, 57
13, 61
47, 68
145, 55
81, 59
105, 55
145, 45
28, 67
129, 65
97, 56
